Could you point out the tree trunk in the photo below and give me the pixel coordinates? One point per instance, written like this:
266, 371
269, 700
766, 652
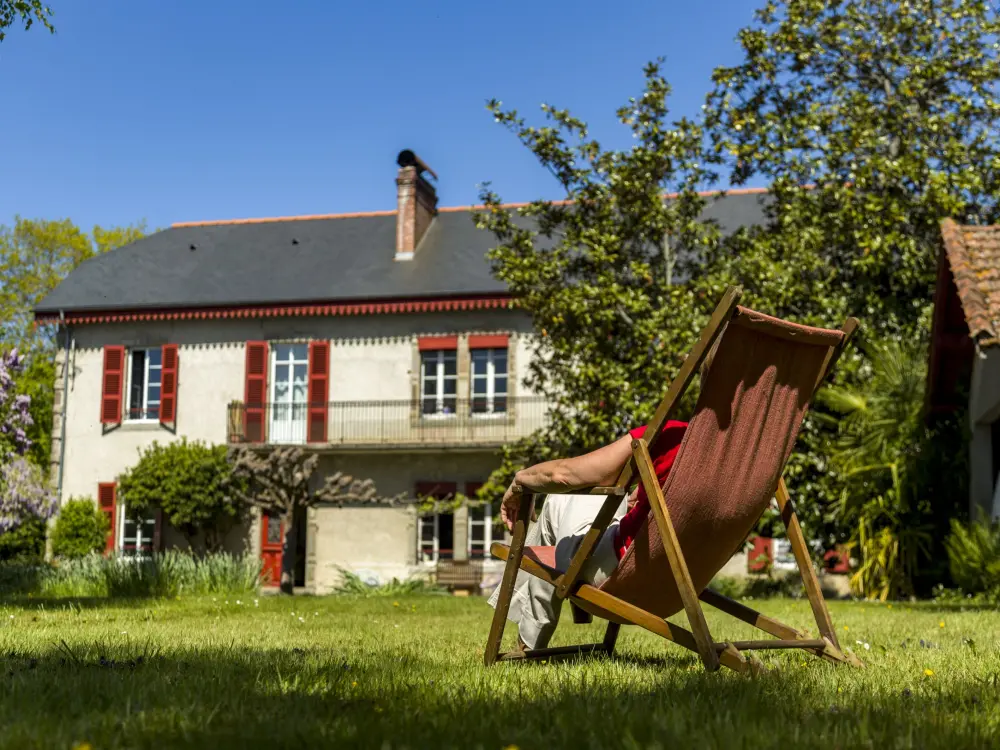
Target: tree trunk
288, 554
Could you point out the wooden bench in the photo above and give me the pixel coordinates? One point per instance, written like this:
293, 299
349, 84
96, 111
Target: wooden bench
459, 575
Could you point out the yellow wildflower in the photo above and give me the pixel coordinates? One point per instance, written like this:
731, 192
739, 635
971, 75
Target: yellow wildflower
941, 624
929, 672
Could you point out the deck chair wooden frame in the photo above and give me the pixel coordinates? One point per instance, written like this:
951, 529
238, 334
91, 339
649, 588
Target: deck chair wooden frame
713, 654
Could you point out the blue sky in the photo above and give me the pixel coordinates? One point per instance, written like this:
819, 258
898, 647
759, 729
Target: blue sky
209, 109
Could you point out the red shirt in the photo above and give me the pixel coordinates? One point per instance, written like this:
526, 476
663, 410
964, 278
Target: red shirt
663, 455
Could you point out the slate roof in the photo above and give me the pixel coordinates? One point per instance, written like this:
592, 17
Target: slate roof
321, 259
974, 256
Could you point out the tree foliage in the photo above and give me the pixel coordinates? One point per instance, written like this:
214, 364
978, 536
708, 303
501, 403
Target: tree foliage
870, 121
80, 529
595, 271
192, 483
26, 12
37, 254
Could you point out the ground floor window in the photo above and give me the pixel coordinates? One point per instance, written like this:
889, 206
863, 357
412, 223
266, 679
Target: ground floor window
137, 535
437, 537
480, 531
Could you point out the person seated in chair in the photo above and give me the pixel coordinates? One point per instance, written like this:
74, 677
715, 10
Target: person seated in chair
565, 518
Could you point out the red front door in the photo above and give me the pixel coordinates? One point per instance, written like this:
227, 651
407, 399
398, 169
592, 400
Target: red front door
271, 537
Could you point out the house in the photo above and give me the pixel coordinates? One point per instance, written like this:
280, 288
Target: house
964, 370
379, 340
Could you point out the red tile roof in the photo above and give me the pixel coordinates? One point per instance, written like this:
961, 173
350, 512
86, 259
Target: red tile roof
974, 256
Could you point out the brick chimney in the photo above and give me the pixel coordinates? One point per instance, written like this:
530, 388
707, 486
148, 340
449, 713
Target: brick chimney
416, 203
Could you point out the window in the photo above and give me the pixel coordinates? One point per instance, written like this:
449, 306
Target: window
439, 382
144, 372
137, 536
437, 535
289, 392
480, 531
489, 381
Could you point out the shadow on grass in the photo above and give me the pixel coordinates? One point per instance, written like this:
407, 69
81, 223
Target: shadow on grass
132, 694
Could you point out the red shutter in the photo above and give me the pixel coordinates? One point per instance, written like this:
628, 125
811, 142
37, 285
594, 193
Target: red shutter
495, 341
319, 390
106, 492
168, 384
255, 396
426, 343
112, 384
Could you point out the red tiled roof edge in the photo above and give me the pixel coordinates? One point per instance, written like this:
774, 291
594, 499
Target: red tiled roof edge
974, 303
323, 309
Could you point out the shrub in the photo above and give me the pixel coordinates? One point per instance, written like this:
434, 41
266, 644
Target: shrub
351, 583
974, 557
80, 529
192, 484
25, 542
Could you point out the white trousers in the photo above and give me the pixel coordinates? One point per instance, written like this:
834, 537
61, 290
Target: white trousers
562, 523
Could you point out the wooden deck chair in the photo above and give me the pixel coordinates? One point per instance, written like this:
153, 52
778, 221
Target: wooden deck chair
755, 391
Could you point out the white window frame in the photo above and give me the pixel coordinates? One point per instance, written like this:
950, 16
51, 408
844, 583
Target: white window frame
294, 409
139, 538
491, 382
146, 403
440, 377
487, 524
435, 545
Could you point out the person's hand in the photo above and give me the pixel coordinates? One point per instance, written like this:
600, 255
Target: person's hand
510, 503
632, 498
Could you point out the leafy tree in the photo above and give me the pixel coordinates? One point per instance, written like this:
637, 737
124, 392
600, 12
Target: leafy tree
279, 481
882, 452
80, 529
25, 11
37, 254
595, 270
191, 483
870, 121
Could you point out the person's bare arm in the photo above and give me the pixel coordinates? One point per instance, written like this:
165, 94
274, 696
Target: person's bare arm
594, 469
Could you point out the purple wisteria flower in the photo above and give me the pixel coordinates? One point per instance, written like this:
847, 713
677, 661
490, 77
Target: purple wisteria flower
15, 415
24, 493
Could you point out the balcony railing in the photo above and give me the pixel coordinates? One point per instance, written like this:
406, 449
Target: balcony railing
360, 424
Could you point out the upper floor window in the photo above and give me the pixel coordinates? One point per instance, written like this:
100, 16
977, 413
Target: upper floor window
489, 381
439, 381
289, 393
144, 378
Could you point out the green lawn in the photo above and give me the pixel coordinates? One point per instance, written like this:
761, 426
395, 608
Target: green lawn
309, 672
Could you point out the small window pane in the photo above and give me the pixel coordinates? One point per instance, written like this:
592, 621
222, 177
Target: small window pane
479, 362
450, 405
430, 406
479, 386
153, 394
450, 387
300, 351
477, 534
430, 387
500, 361
500, 384
500, 404
450, 367
154, 357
